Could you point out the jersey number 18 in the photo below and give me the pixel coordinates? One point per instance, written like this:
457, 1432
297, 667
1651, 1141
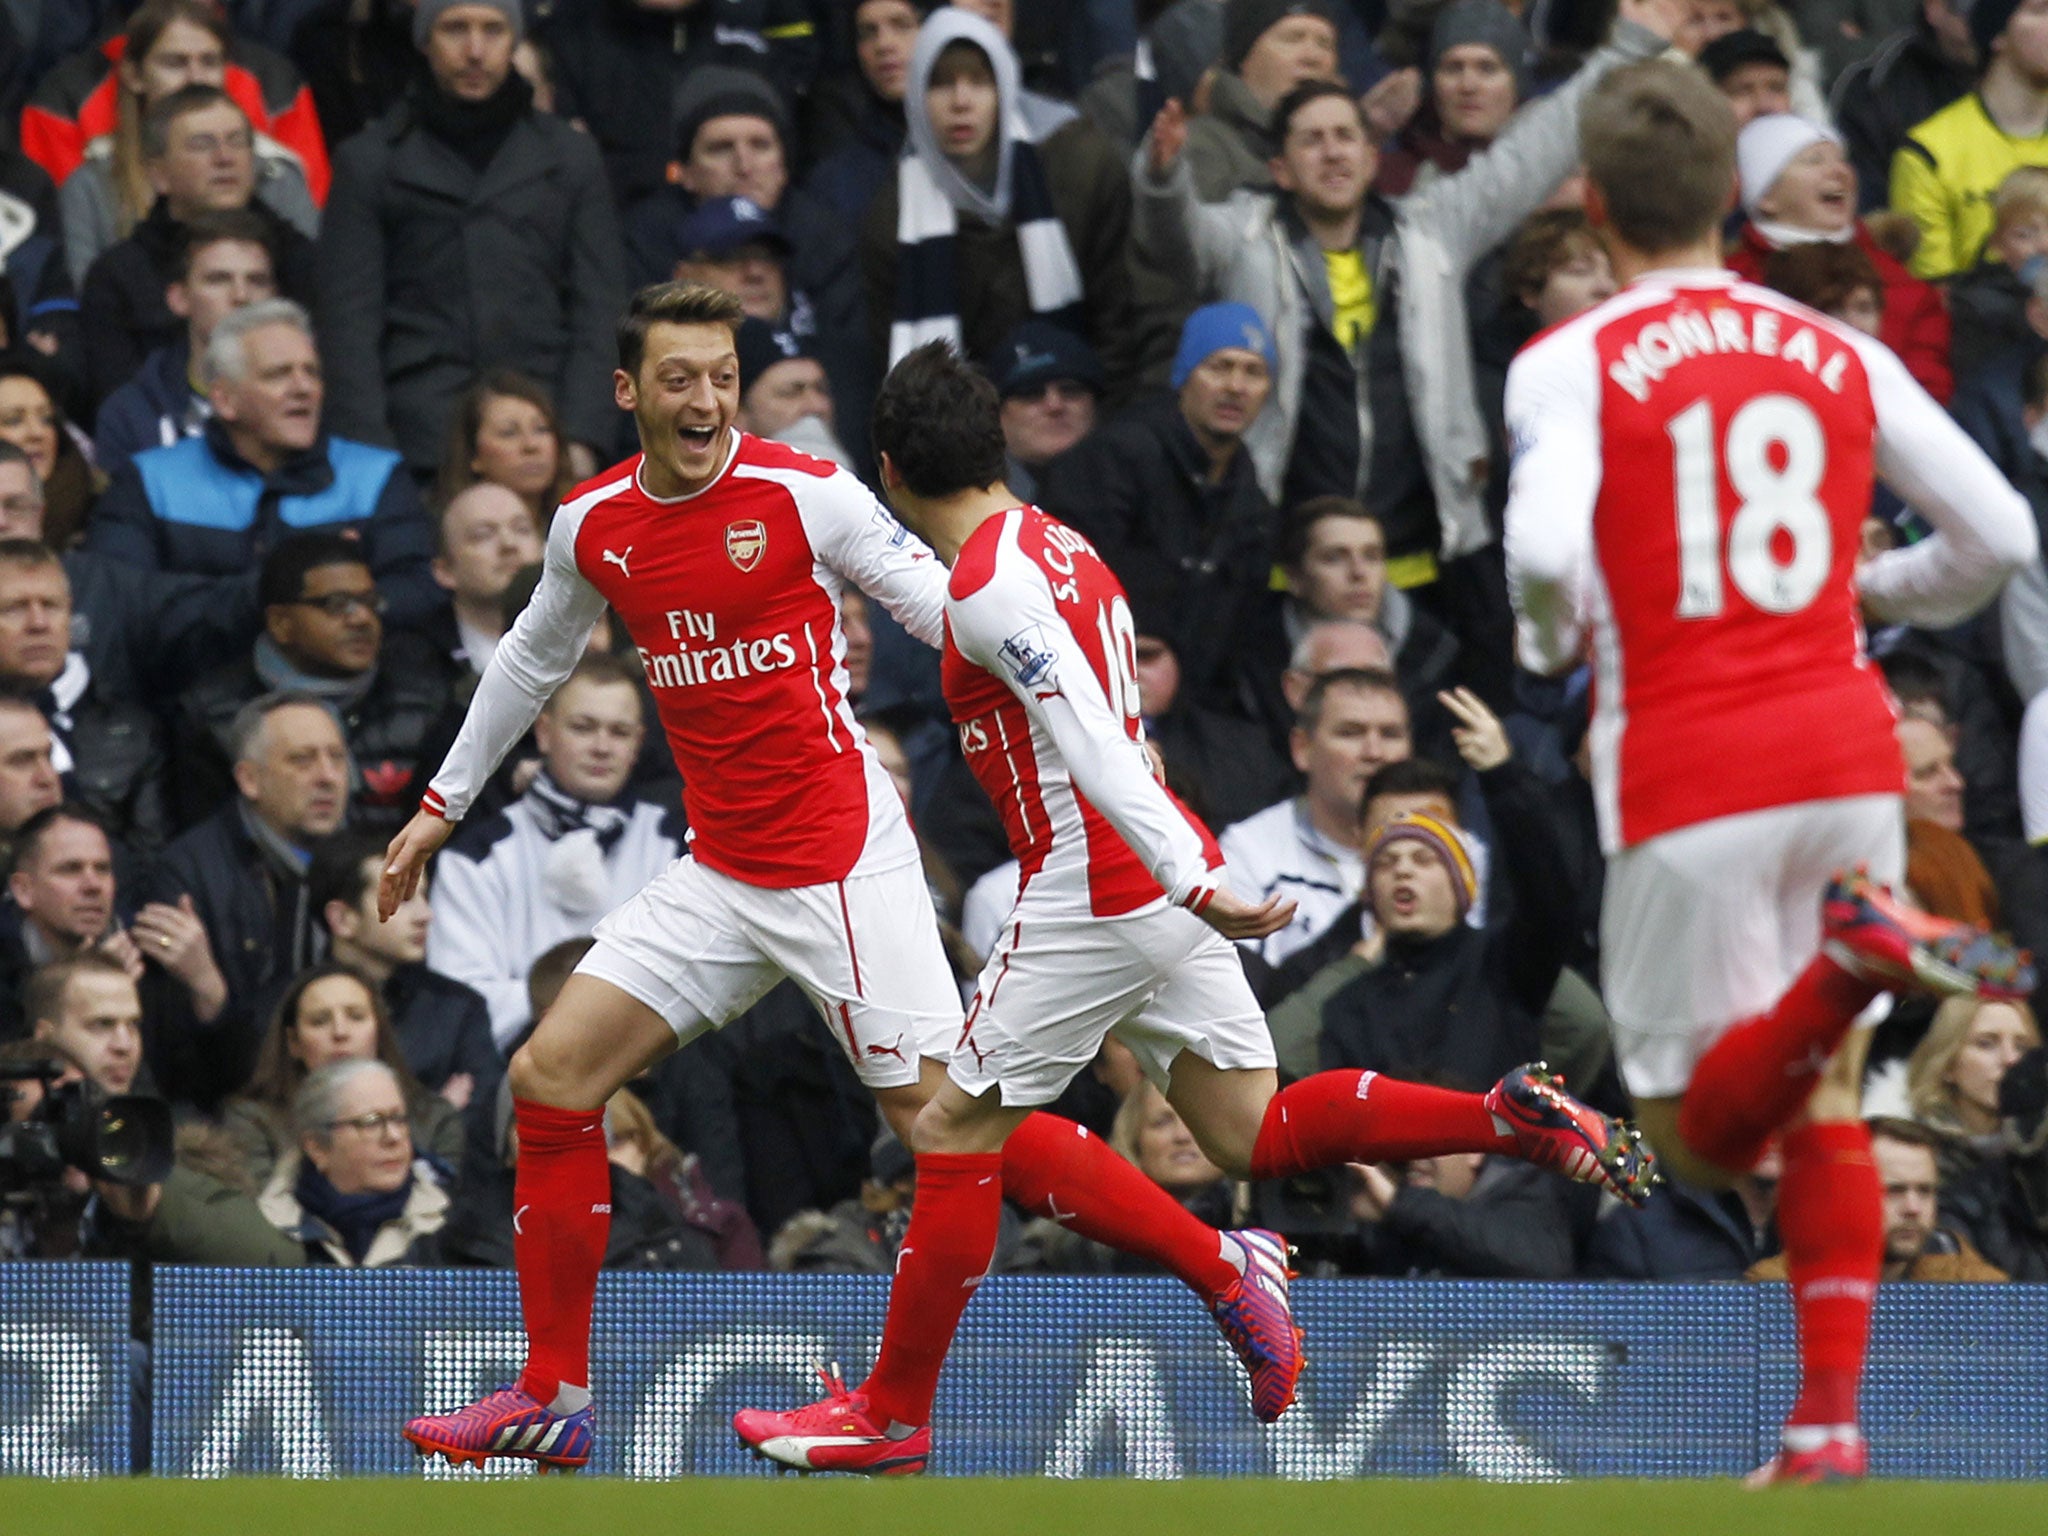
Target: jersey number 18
1780, 541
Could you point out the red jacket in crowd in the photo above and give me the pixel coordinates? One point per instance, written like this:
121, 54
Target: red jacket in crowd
78, 101
1915, 315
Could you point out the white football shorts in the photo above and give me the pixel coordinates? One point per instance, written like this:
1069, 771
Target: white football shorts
1055, 985
1706, 926
699, 948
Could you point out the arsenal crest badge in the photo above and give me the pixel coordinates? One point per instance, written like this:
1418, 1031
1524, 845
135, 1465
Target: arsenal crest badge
746, 542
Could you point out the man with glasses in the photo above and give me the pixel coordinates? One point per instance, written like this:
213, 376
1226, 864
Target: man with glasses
323, 635
263, 468
239, 881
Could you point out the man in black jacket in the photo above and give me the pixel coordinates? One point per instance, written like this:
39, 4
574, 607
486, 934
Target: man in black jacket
1171, 501
1452, 1003
323, 635
243, 870
466, 230
1877, 101
108, 751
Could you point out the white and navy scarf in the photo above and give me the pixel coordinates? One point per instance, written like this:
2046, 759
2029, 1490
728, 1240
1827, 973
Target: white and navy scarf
931, 195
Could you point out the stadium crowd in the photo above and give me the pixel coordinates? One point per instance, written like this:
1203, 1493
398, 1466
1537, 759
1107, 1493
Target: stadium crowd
306, 315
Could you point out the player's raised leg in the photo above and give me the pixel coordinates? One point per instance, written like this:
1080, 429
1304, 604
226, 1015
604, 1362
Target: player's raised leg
595, 1039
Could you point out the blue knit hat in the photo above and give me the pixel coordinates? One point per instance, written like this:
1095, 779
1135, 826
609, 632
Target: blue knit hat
1216, 328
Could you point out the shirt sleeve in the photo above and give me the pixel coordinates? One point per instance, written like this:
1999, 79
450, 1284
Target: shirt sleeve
858, 537
531, 662
1012, 627
1983, 528
1553, 421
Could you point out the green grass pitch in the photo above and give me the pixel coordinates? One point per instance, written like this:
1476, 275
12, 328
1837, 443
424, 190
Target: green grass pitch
1028, 1507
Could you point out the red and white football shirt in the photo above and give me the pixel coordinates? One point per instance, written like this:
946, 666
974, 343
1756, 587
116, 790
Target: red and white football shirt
731, 595
1039, 669
1693, 464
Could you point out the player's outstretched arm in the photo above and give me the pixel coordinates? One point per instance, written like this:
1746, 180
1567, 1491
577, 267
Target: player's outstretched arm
417, 841
531, 662
1983, 528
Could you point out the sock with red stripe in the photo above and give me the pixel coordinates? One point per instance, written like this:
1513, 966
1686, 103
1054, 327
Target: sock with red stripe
1831, 1217
945, 1253
561, 1198
1364, 1117
1758, 1075
1057, 1169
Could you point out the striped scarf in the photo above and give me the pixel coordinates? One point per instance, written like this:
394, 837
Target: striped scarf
930, 194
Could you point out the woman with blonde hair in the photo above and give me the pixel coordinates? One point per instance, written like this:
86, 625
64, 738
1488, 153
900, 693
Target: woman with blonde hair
504, 429
329, 1013
1953, 1076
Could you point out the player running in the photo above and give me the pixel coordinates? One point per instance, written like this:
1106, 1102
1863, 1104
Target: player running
1039, 673
1693, 464
726, 557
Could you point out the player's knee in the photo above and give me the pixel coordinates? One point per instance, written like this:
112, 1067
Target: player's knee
541, 1075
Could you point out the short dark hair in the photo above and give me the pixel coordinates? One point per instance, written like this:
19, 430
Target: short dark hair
1658, 140
673, 304
1913, 679
551, 972
336, 873
1911, 1132
1301, 96
1411, 776
216, 226
1364, 679
28, 838
156, 122
43, 997
1302, 520
940, 422
286, 567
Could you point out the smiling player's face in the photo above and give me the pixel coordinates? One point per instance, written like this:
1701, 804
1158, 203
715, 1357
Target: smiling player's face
683, 402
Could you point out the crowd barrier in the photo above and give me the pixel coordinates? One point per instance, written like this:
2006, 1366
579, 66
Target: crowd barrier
308, 1373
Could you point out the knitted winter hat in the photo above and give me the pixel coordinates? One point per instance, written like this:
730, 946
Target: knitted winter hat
1767, 146
426, 12
1245, 22
1487, 23
1215, 327
1441, 840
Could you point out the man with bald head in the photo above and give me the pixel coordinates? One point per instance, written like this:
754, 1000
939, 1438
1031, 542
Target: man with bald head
240, 880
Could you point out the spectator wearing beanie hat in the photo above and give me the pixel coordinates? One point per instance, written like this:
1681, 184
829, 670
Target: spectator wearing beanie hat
1948, 168
732, 140
1450, 1002
466, 177
1269, 47
1477, 71
1171, 500
1797, 188
620, 65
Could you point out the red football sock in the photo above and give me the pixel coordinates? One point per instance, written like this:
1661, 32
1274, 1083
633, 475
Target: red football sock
562, 1217
1756, 1076
945, 1253
1364, 1117
1055, 1168
1831, 1217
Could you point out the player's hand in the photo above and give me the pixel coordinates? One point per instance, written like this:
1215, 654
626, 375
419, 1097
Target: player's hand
1169, 138
1235, 918
1479, 736
1388, 106
1669, 19
417, 841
